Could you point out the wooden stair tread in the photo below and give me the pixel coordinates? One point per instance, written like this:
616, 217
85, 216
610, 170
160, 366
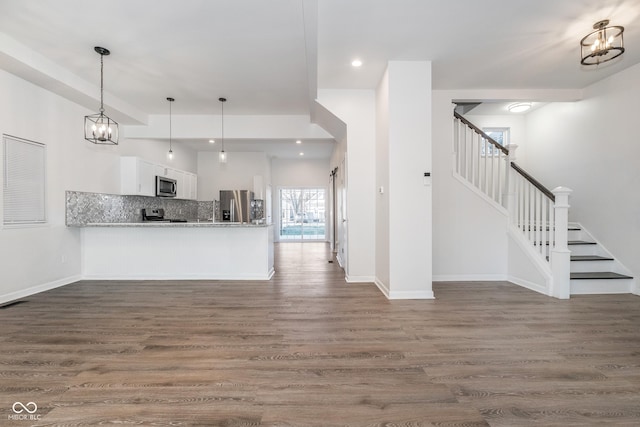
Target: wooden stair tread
547, 228
590, 258
598, 275
578, 242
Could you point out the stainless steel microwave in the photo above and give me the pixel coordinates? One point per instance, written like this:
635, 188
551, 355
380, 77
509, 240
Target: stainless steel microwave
166, 187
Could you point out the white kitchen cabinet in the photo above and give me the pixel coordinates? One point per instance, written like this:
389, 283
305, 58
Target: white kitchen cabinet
190, 186
193, 193
178, 175
137, 177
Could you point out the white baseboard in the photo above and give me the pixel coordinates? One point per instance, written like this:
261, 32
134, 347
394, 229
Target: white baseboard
340, 262
359, 279
403, 294
383, 288
470, 278
267, 276
529, 285
12, 296
411, 295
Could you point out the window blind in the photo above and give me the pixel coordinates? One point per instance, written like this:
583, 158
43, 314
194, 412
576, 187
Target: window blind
24, 191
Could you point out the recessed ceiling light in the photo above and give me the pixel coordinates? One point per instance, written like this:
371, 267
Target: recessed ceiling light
211, 141
298, 142
302, 154
519, 107
356, 63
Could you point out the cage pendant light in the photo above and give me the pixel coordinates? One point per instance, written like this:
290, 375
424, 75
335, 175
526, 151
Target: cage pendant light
99, 128
170, 153
222, 156
602, 45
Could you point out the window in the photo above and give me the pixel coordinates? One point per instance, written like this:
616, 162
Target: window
302, 214
24, 192
500, 135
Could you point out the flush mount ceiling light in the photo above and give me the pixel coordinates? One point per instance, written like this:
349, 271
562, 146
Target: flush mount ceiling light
298, 142
222, 156
170, 153
98, 128
211, 141
602, 45
519, 107
356, 63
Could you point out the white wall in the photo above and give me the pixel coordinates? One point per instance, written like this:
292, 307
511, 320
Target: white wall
42, 257
591, 146
300, 173
155, 151
236, 174
358, 110
466, 245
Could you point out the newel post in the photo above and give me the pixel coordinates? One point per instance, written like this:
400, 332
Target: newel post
509, 195
560, 254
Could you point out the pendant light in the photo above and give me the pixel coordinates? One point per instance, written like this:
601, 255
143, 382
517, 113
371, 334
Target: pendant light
98, 128
603, 44
170, 153
222, 156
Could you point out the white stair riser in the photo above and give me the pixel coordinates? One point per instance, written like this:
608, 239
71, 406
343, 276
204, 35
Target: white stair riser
576, 235
601, 286
587, 266
584, 249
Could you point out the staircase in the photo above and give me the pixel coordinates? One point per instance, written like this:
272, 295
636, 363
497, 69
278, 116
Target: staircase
572, 261
593, 269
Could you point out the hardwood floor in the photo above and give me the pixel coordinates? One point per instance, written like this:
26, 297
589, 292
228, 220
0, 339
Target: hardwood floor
308, 349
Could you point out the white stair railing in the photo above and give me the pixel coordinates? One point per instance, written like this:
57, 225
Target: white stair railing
533, 210
540, 215
479, 159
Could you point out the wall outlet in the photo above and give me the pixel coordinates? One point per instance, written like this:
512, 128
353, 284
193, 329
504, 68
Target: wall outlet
63, 259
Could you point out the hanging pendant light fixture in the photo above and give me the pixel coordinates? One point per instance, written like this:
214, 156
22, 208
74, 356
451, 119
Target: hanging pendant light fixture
222, 156
98, 128
602, 45
170, 153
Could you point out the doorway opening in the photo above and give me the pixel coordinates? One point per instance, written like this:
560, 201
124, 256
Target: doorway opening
302, 214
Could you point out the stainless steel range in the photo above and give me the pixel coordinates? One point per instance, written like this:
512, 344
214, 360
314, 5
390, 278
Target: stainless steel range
157, 215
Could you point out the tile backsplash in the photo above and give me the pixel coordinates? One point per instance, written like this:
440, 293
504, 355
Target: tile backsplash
84, 208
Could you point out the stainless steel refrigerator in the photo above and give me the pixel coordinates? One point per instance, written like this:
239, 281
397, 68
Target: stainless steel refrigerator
235, 205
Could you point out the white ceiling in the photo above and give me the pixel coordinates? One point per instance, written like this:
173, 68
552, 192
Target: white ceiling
499, 108
488, 44
264, 56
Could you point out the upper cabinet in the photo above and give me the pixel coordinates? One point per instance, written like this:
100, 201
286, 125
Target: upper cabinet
189, 188
138, 177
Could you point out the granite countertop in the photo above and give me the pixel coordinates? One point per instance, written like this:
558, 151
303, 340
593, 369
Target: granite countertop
189, 224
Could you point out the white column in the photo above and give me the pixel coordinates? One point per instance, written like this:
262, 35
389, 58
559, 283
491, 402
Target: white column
409, 157
560, 254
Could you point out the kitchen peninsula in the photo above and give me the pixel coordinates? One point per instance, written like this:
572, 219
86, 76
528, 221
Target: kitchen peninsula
116, 247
